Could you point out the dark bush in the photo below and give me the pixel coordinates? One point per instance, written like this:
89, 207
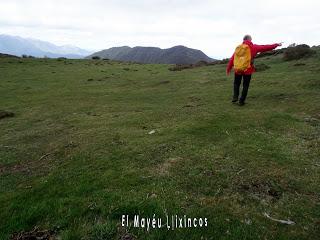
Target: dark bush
95, 58
297, 52
270, 53
261, 67
224, 61
201, 63
179, 67
27, 56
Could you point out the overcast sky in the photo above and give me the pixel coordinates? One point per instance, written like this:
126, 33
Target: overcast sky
215, 27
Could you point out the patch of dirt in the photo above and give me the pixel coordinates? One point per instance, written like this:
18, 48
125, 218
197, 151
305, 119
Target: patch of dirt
27, 167
5, 114
35, 234
189, 105
117, 141
203, 81
164, 82
127, 236
192, 105
41, 165
161, 152
313, 120
92, 114
194, 102
124, 234
164, 168
263, 190
280, 96
194, 98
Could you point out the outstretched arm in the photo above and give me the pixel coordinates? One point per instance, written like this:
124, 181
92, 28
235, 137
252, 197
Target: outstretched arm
230, 65
265, 48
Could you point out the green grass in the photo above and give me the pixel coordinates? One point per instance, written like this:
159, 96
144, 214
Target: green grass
77, 155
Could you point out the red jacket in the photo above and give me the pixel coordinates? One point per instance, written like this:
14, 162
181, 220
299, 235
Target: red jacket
255, 49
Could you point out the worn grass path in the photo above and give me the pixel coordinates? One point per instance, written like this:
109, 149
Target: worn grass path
77, 155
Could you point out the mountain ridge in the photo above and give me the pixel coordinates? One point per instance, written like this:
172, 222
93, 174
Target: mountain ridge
175, 55
16, 45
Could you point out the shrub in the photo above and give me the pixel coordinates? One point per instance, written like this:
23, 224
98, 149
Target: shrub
297, 52
224, 61
270, 53
180, 67
261, 67
95, 58
201, 63
27, 56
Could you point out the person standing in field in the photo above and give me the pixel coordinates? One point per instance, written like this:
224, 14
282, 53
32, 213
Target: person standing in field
242, 62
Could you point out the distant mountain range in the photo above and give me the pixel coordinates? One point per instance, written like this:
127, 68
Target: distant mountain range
18, 46
174, 55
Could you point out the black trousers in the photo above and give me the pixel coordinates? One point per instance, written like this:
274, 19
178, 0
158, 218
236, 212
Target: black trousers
245, 87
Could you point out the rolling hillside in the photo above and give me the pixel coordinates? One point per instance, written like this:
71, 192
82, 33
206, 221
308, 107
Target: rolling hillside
87, 141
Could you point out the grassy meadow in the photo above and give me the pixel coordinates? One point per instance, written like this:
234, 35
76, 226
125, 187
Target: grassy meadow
92, 140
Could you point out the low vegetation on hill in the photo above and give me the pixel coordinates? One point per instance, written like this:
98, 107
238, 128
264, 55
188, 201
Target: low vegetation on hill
298, 52
3, 55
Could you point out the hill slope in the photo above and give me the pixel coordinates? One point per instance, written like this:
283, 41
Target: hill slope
174, 55
93, 140
37, 48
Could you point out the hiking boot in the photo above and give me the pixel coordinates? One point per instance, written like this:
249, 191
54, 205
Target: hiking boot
241, 103
234, 100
